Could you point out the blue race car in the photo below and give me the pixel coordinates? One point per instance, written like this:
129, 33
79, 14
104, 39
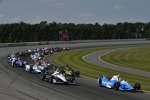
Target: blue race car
117, 83
19, 63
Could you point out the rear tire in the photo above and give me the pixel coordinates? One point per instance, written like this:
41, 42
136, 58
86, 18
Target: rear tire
116, 86
77, 73
72, 79
30, 69
51, 79
137, 87
43, 77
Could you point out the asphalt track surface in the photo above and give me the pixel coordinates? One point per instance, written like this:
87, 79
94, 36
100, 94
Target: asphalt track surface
95, 58
16, 84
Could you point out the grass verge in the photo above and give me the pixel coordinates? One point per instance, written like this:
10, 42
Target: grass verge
136, 58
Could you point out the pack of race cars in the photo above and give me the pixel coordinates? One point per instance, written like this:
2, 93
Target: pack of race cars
49, 72
66, 75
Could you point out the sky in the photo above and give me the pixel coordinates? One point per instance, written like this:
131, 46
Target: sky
74, 11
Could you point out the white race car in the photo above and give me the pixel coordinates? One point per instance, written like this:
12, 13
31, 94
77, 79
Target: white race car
58, 76
34, 68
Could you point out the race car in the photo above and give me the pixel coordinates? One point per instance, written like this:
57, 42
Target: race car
15, 60
117, 83
29, 51
34, 68
19, 63
47, 51
66, 48
69, 71
58, 76
56, 49
11, 57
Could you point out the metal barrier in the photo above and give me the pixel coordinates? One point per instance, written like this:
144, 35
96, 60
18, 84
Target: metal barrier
63, 42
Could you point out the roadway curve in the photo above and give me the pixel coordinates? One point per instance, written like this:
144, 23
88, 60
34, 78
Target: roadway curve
16, 84
95, 58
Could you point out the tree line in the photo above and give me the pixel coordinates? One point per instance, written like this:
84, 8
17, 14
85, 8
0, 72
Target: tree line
43, 31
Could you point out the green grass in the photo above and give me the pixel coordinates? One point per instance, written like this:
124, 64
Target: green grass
137, 58
74, 59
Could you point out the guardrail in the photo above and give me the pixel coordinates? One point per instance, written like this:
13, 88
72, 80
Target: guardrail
63, 42
18, 44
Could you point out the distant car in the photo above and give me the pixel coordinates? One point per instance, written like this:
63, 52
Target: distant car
34, 68
66, 48
29, 51
57, 49
19, 63
10, 57
16, 61
118, 84
47, 51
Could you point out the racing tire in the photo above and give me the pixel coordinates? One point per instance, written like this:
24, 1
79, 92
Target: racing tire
77, 73
30, 69
51, 79
116, 86
137, 87
43, 77
100, 82
13, 65
72, 79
